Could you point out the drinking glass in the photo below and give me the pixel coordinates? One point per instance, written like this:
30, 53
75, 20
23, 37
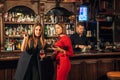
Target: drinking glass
42, 52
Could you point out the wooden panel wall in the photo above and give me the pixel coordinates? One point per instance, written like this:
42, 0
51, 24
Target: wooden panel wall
82, 69
94, 69
7, 70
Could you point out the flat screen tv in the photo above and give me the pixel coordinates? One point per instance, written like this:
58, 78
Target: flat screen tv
83, 14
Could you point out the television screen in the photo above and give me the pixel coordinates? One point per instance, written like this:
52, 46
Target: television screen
83, 14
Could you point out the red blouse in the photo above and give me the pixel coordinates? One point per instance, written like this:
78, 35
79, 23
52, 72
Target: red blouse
64, 42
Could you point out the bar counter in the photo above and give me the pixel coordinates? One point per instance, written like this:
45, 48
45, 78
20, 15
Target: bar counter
85, 66
6, 56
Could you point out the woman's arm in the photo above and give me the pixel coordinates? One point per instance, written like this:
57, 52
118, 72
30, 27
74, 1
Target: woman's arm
64, 46
24, 43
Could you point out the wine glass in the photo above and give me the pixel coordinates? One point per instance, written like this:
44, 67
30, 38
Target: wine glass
42, 52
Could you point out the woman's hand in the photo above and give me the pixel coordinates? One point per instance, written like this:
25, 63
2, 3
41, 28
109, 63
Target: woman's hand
42, 56
56, 48
25, 36
24, 43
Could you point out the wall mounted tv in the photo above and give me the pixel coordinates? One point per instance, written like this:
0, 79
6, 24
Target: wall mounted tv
83, 13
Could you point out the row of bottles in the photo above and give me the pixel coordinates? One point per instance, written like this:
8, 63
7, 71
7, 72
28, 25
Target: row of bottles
15, 30
55, 19
12, 44
70, 29
49, 29
17, 21
19, 17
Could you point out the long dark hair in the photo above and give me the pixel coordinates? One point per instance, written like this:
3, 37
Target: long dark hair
35, 39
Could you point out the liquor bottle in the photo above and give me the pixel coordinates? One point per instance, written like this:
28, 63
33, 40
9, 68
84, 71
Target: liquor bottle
6, 31
31, 28
29, 31
6, 16
13, 17
32, 18
67, 29
18, 45
45, 31
51, 30
48, 31
9, 17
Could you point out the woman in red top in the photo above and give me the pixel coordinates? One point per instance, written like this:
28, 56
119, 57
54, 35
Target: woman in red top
63, 50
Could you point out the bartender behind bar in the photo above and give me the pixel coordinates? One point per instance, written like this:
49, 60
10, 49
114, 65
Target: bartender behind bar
79, 40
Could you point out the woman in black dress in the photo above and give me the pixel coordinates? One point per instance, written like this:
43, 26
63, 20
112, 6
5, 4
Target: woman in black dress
29, 64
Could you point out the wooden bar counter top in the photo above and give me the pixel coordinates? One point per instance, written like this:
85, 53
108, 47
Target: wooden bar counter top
6, 56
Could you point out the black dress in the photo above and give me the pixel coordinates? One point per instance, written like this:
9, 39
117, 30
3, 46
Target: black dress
29, 66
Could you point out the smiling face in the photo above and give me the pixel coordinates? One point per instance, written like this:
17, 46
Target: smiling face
37, 31
58, 29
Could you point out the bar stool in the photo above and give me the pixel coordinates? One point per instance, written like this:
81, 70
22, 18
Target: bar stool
113, 75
